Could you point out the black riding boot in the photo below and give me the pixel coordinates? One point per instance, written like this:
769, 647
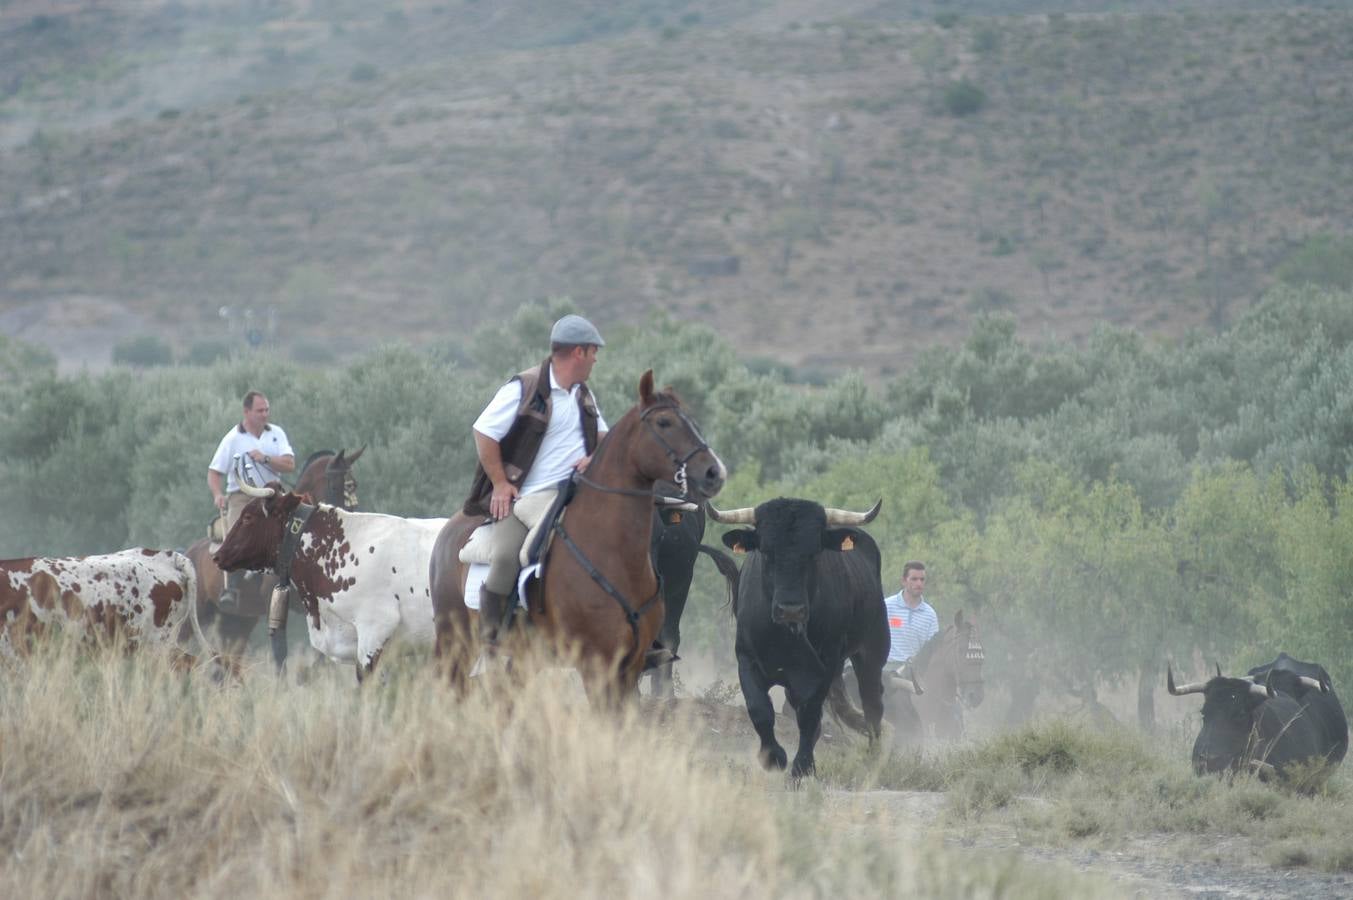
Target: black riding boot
492, 612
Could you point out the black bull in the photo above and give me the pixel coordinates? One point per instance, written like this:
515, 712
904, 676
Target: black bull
810, 596
1266, 722
676, 544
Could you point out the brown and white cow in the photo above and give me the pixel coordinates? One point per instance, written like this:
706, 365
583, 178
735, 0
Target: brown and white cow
145, 596
362, 578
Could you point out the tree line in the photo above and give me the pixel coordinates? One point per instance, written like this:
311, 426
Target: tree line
1100, 509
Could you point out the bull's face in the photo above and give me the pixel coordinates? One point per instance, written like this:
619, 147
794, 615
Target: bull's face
1229, 714
253, 541
790, 534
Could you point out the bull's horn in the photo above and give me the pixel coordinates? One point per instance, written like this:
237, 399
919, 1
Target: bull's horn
674, 503
1219, 675
1314, 684
1262, 690
256, 492
839, 517
744, 516
1181, 690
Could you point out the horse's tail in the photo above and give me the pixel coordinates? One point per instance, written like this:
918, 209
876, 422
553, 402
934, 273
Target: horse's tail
188, 574
728, 569
844, 710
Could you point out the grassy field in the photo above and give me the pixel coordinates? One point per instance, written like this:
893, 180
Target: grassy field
121, 778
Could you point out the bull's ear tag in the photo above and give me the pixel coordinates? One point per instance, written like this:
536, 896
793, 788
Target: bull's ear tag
738, 548
676, 517
847, 543
295, 525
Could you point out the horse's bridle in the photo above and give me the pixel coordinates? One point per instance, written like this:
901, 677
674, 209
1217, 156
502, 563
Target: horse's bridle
679, 462
346, 493
973, 652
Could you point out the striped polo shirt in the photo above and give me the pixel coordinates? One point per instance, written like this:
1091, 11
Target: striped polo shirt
909, 628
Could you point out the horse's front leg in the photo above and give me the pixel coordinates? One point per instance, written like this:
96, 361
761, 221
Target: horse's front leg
756, 694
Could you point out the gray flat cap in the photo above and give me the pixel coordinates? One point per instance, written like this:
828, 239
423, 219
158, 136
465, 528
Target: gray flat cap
575, 330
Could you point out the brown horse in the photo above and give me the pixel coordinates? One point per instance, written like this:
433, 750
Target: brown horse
598, 596
327, 477
949, 670
949, 667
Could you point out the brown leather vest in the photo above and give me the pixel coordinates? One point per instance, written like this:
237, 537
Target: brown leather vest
522, 441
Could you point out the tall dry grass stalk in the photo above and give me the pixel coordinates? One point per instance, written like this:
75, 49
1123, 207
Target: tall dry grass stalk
121, 778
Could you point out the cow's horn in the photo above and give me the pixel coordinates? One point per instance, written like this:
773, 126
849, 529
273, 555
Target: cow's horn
674, 503
1182, 689
838, 517
1262, 690
256, 492
1314, 684
744, 516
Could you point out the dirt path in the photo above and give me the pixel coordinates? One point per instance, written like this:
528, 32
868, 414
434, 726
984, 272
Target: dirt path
1144, 865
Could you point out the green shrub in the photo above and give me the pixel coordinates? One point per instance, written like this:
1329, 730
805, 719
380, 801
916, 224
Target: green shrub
364, 71
144, 350
963, 98
1323, 260
206, 352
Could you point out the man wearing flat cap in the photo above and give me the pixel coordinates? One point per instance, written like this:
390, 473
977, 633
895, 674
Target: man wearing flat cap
540, 427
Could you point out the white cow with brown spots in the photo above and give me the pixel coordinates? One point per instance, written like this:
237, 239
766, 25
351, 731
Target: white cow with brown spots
145, 596
362, 578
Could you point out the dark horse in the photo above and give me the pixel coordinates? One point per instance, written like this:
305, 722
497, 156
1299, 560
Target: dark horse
598, 595
327, 477
949, 670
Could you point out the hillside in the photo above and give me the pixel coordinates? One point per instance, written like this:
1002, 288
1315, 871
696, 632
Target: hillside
830, 185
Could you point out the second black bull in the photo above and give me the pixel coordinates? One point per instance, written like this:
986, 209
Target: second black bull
678, 532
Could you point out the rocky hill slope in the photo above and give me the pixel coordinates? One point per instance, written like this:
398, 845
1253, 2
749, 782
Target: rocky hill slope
827, 184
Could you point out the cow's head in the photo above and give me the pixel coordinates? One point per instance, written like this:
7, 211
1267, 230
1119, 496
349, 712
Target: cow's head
790, 534
1230, 711
255, 539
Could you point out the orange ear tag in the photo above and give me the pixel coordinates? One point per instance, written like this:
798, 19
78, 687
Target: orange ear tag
738, 548
676, 517
847, 543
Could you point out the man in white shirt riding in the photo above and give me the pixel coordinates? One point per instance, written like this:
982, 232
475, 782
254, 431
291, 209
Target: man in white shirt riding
540, 427
264, 453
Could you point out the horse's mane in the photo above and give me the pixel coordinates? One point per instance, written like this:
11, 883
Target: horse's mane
667, 393
921, 661
311, 458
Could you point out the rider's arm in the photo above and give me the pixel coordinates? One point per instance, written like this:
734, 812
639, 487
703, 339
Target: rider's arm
491, 458
216, 481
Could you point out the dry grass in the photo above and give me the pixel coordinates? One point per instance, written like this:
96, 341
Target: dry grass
120, 778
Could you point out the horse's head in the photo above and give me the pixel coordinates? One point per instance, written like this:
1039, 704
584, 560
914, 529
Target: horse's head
668, 446
329, 479
968, 659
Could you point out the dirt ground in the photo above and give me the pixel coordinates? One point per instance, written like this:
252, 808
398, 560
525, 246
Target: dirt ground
1145, 865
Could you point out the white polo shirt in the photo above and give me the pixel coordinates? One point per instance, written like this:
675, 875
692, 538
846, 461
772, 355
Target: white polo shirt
562, 445
273, 442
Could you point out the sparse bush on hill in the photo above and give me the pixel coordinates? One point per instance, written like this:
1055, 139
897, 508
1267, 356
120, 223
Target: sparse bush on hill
963, 98
144, 350
206, 352
1324, 260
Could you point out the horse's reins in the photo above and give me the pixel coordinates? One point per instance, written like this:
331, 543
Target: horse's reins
632, 615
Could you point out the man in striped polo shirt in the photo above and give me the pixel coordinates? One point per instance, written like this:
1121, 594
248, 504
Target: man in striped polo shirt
911, 621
